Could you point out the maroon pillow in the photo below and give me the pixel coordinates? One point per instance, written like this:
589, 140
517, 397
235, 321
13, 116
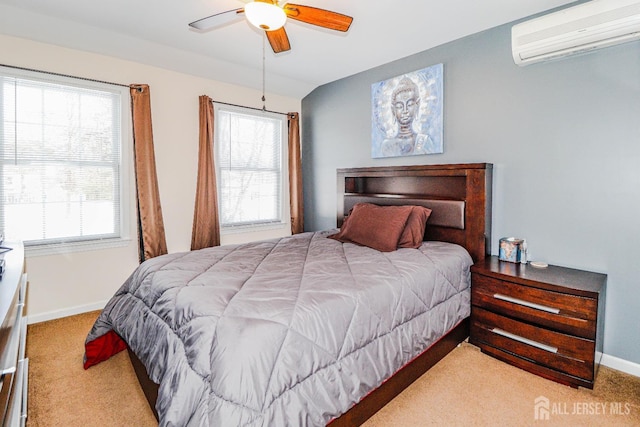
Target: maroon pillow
413, 233
378, 227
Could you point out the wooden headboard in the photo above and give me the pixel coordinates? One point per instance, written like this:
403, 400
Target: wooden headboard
458, 194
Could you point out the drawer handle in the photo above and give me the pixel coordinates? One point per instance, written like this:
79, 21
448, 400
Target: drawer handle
527, 303
524, 340
9, 370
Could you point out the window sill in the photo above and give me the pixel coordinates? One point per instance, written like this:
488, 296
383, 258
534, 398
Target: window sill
65, 248
253, 228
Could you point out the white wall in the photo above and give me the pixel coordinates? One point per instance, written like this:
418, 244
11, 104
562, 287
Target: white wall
70, 283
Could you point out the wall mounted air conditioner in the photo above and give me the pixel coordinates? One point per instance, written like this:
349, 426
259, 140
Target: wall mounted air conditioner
578, 29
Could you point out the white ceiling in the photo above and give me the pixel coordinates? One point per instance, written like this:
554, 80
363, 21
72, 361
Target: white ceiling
156, 32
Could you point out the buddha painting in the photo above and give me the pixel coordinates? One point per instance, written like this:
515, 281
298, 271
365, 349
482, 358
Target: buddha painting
407, 114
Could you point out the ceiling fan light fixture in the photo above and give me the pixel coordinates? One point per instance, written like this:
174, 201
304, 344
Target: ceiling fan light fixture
265, 16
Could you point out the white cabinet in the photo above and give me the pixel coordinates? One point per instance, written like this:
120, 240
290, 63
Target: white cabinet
14, 365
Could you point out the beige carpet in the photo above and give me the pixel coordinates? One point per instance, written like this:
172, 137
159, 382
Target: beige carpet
466, 388
62, 393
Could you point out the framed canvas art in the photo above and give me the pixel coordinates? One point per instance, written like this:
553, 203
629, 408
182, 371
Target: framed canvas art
406, 114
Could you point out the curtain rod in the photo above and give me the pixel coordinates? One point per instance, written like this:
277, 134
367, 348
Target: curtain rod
63, 75
251, 108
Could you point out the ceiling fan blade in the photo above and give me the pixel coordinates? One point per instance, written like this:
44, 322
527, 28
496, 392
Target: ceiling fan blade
217, 20
320, 17
278, 40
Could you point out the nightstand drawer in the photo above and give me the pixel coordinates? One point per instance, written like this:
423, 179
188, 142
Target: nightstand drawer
558, 351
560, 311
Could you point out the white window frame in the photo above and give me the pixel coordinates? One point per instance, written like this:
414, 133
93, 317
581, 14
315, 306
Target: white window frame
283, 222
123, 237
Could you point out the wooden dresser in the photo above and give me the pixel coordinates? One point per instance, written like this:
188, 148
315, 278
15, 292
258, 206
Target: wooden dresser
13, 333
548, 321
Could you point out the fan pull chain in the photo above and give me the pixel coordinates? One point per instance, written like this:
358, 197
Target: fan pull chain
264, 41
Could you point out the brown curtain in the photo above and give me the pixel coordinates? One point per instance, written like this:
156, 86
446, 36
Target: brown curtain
295, 175
206, 224
151, 237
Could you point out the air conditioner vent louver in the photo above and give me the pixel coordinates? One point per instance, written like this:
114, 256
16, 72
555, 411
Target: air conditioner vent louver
581, 28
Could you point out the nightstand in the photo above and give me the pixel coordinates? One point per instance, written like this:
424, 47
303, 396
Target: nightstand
548, 321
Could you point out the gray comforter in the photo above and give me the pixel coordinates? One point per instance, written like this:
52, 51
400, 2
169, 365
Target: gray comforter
292, 331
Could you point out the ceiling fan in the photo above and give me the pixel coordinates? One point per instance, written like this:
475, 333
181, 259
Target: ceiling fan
270, 16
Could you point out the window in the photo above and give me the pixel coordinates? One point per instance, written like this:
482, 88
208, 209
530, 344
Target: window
249, 156
61, 145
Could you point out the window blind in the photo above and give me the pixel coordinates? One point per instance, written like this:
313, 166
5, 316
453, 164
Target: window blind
249, 163
60, 151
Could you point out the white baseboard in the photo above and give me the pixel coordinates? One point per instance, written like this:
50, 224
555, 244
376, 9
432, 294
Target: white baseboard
65, 312
622, 365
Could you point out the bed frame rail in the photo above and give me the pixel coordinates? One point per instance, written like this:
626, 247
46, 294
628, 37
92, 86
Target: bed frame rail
402, 379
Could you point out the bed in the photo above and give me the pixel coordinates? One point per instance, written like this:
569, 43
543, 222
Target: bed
304, 330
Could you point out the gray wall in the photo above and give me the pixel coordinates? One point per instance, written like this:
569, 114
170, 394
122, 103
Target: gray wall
564, 138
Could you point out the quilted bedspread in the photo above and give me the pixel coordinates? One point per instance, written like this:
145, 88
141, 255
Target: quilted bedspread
291, 331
